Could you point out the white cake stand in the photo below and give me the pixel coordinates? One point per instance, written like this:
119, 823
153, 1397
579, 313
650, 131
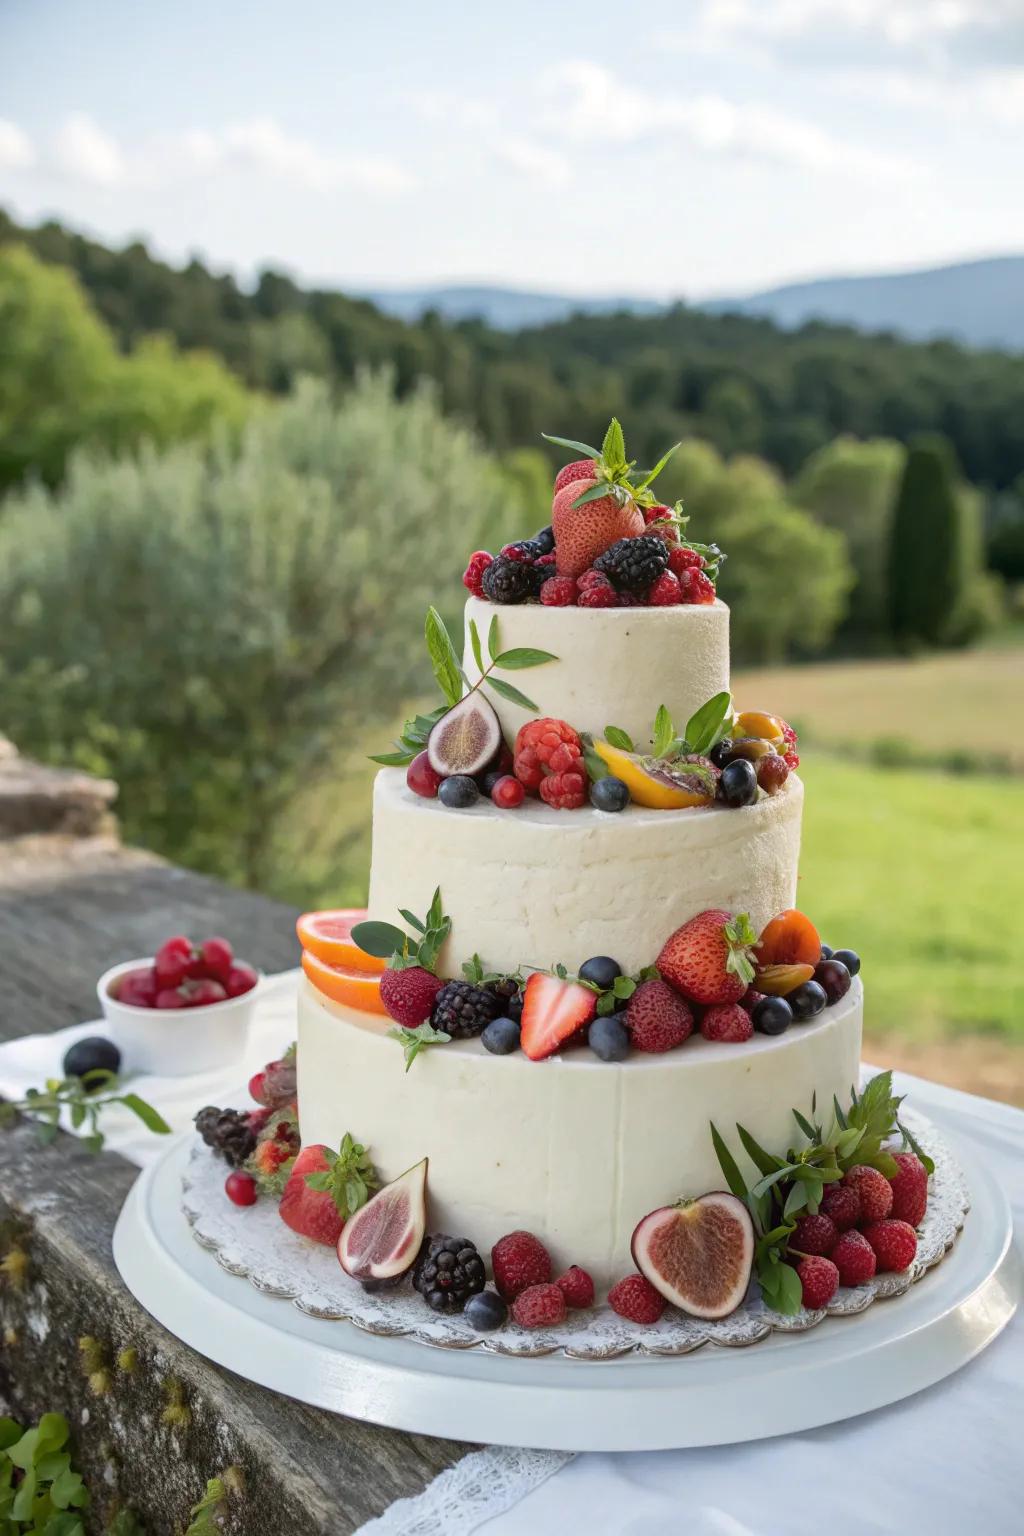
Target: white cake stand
715, 1396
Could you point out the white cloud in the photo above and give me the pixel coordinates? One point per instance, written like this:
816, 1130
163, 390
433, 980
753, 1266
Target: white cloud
594, 107
536, 161
85, 152
17, 152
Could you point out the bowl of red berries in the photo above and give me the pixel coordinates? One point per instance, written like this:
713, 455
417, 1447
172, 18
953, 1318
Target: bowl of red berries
186, 1010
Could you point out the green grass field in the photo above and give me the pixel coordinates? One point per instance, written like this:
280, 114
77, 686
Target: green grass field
920, 871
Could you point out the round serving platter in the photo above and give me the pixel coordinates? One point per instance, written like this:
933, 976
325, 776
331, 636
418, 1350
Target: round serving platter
791, 1380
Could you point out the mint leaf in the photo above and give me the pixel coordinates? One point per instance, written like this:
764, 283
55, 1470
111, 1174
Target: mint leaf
613, 449
349, 1177
415, 1040
443, 658
664, 732
474, 640
618, 738
521, 657
513, 695
582, 449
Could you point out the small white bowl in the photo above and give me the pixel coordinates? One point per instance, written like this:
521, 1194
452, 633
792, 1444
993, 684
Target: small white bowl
176, 1042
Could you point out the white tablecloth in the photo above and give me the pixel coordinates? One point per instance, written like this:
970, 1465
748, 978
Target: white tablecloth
942, 1463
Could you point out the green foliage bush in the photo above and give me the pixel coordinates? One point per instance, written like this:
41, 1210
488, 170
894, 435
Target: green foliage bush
63, 381
206, 624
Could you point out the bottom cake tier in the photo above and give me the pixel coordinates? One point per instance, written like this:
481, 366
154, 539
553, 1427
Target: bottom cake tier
573, 1149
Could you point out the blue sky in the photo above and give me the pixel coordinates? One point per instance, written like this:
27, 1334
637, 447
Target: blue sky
697, 147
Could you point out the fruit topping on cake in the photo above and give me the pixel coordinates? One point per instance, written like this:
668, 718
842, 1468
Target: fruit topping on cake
854, 1258
519, 1260
698, 1254
325, 1188
657, 1018
463, 1010
227, 1132
539, 1306
737, 784
635, 1298
465, 739
448, 1271
729, 1023
909, 1189
486, 1311
608, 1038
658, 783
559, 592
841, 1205
894, 1244
328, 935
873, 1189
789, 939
276, 1084
814, 1235
577, 1287
819, 1281
382, 1237
708, 959
554, 1010
240, 1188
549, 762
609, 794
273, 1157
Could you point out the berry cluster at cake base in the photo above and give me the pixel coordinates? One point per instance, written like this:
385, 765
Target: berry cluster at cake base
507, 1301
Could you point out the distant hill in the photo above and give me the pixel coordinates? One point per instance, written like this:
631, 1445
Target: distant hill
977, 302
507, 309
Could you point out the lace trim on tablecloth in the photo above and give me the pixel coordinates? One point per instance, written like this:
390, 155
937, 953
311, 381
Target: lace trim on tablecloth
459, 1500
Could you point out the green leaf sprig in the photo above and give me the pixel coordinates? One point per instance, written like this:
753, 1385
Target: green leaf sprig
455, 685
86, 1098
401, 950
348, 1178
415, 1040
704, 729
614, 473
791, 1185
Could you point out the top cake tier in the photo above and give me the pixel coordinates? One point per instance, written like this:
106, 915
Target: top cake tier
614, 667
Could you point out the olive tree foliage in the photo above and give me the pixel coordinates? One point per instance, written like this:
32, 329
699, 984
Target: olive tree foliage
207, 624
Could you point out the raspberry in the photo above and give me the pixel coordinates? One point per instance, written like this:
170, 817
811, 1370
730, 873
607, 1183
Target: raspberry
791, 759
599, 597
666, 592
842, 1205
577, 1287
788, 733
909, 1190
546, 747
815, 1235
519, 1260
894, 1244
592, 578
750, 999
819, 1281
729, 1022
657, 1018
409, 994
635, 1298
558, 592
874, 1190
548, 559
682, 558
564, 791
518, 552
696, 587
539, 1306
473, 574
854, 1258
662, 521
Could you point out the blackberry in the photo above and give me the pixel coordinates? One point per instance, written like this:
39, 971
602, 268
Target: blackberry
507, 987
509, 581
544, 540
447, 1272
462, 1010
634, 565
228, 1132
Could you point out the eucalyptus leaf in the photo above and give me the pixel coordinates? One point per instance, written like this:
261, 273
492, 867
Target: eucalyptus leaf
378, 939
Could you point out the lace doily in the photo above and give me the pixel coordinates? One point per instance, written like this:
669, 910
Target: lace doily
480, 1486
253, 1242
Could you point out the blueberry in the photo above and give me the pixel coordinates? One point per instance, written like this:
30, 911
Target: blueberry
514, 1009
833, 978
738, 784
721, 752
458, 792
807, 1001
601, 971
94, 1054
772, 1016
826, 952
486, 1311
849, 959
608, 1038
609, 794
545, 539
500, 1036
488, 781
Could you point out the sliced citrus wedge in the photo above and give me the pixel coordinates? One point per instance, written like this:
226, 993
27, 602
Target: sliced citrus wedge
344, 983
328, 935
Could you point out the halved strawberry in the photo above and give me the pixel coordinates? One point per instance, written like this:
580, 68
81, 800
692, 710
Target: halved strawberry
553, 1011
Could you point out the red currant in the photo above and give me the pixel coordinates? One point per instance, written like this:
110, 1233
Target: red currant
421, 778
508, 792
240, 1188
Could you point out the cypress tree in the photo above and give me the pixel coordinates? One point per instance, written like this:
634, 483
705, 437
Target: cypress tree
928, 564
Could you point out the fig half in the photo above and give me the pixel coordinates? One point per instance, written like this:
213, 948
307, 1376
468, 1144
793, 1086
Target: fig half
381, 1241
698, 1254
465, 738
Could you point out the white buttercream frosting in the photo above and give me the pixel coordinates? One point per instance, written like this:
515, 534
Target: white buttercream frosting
572, 1149
615, 665
537, 886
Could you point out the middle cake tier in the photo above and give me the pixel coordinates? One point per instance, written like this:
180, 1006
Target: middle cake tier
540, 887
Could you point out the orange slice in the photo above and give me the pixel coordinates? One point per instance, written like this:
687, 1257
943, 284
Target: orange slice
328, 935
344, 983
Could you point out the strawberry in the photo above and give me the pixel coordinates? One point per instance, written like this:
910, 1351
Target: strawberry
310, 1212
657, 1018
579, 469
842, 1205
874, 1190
519, 1260
583, 533
708, 958
553, 1011
729, 1022
814, 1235
854, 1258
909, 1189
894, 1244
577, 1287
408, 994
819, 1281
